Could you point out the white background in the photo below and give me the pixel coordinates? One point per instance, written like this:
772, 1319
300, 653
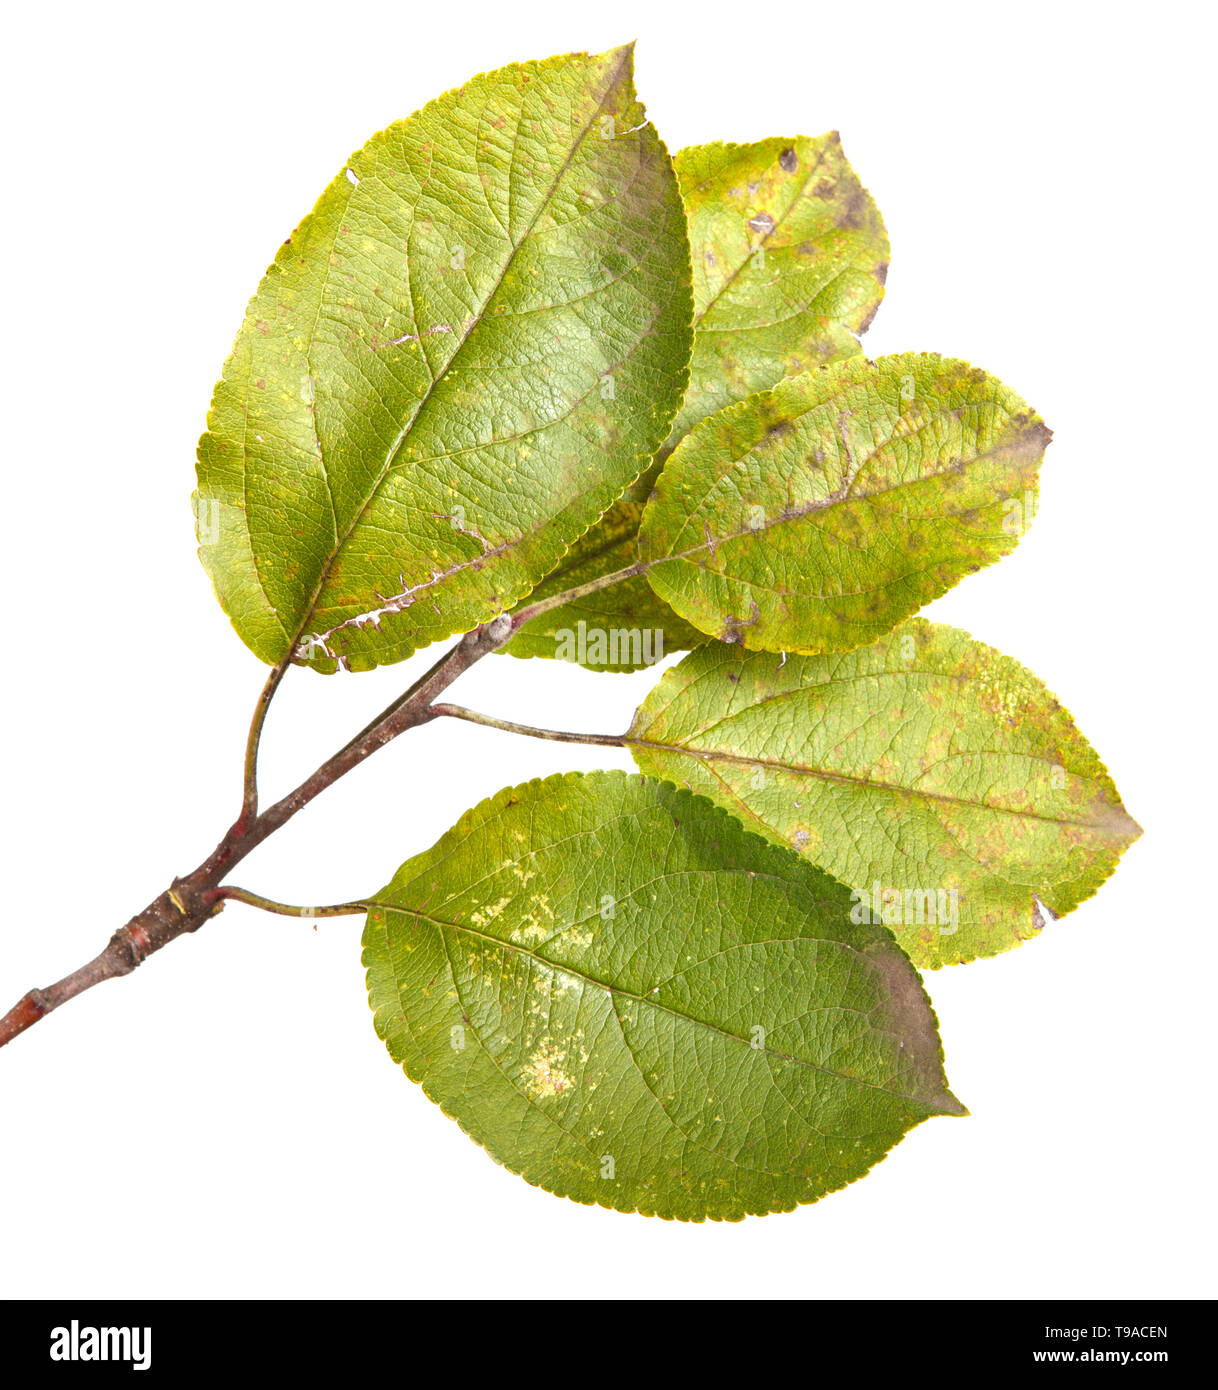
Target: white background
225, 1122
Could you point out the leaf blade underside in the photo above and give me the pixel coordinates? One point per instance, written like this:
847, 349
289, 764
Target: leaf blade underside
411, 428
632, 1036
925, 763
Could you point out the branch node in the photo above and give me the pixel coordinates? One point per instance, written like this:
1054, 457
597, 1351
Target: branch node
125, 951
499, 629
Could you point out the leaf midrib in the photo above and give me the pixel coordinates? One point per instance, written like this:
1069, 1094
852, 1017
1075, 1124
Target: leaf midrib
386, 467
619, 992
1011, 446
786, 212
844, 779
541, 1110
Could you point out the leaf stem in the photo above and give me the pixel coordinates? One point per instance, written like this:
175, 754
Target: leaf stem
243, 895
544, 605
555, 735
249, 802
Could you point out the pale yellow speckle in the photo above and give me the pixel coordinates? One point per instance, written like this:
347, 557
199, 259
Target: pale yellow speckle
537, 922
544, 1075
489, 912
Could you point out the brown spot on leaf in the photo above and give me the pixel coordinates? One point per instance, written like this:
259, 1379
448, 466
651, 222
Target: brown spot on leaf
788, 160
733, 627
762, 223
854, 214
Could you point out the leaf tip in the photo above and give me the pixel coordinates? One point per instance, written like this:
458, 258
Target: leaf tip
1132, 828
949, 1105
622, 55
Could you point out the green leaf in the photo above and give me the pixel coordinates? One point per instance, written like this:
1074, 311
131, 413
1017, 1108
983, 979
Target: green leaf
816, 516
789, 257
936, 776
629, 1000
464, 354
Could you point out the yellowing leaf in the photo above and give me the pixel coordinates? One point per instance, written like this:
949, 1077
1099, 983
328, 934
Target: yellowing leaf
935, 776
789, 258
816, 516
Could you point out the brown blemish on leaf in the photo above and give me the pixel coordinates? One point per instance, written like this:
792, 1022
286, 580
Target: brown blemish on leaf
762, 223
855, 213
912, 1020
733, 627
788, 160
871, 313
